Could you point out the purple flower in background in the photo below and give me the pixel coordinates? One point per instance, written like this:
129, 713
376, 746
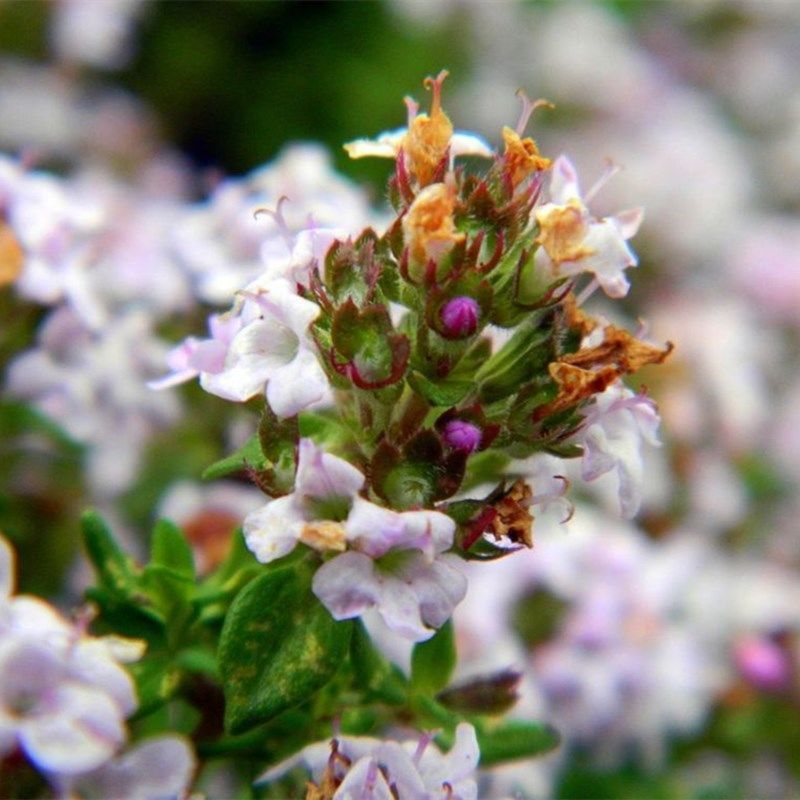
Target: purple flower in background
762, 663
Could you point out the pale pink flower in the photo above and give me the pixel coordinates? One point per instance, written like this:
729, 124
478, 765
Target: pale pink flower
415, 768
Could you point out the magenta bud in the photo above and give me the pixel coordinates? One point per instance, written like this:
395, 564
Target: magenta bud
762, 663
463, 436
460, 316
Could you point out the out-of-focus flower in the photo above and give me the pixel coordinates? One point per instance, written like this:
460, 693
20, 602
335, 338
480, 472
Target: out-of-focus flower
94, 385
160, 767
614, 428
209, 516
223, 246
375, 769
763, 663
63, 694
766, 265
95, 33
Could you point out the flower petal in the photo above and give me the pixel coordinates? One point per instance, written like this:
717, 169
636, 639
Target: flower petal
321, 475
272, 531
347, 585
297, 385
80, 729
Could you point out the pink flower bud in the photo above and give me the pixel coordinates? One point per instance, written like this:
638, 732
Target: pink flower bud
762, 663
461, 435
460, 316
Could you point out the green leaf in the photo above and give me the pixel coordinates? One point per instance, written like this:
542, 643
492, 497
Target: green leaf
116, 571
512, 739
198, 660
169, 548
127, 617
171, 593
376, 676
446, 393
248, 455
433, 661
279, 646
487, 466
17, 418
157, 681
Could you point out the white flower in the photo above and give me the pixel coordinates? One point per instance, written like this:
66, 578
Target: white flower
308, 251
195, 356
63, 695
325, 487
394, 562
416, 770
376, 530
93, 384
574, 242
156, 768
412, 594
612, 433
266, 342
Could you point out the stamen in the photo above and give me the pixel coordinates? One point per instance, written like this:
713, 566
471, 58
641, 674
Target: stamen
422, 745
435, 85
280, 221
528, 107
413, 108
542, 498
611, 169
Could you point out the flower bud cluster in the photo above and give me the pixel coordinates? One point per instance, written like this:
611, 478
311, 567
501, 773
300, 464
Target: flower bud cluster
403, 368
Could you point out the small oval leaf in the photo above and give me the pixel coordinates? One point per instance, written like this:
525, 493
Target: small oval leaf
279, 646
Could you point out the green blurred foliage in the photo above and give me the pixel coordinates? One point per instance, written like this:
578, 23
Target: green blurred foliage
233, 82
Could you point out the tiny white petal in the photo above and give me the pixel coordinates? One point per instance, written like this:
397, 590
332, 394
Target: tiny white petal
464, 143
272, 531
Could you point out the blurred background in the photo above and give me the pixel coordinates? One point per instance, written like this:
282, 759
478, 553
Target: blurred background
665, 649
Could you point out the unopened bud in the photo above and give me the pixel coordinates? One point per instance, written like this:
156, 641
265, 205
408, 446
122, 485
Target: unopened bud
460, 316
462, 435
